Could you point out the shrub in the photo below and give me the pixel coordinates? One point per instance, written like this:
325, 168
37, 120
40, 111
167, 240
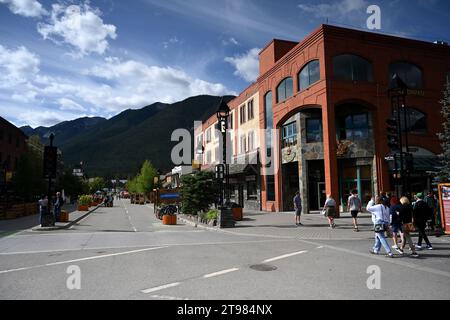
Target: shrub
212, 215
85, 200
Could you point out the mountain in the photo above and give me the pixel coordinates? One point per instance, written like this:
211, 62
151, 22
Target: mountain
65, 130
117, 147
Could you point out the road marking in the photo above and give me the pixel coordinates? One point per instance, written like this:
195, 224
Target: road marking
220, 273
167, 297
284, 256
81, 259
319, 247
170, 285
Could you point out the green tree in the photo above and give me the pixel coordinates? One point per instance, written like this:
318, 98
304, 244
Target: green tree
199, 191
28, 181
73, 186
443, 174
145, 178
97, 183
132, 185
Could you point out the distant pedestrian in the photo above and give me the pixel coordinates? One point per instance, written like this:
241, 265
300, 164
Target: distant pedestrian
431, 202
379, 211
354, 205
298, 208
406, 218
396, 223
43, 207
421, 213
59, 201
330, 210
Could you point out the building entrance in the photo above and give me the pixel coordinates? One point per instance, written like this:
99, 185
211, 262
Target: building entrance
316, 184
290, 184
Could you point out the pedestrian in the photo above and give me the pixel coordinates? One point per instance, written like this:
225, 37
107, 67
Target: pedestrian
385, 198
330, 210
43, 207
421, 214
59, 201
354, 205
406, 218
379, 211
396, 223
431, 202
298, 208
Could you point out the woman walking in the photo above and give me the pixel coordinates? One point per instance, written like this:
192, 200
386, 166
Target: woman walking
396, 223
379, 212
406, 218
330, 210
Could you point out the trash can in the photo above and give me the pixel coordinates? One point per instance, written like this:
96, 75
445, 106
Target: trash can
236, 210
64, 216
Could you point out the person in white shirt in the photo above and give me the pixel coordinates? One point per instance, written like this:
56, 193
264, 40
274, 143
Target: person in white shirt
380, 217
330, 210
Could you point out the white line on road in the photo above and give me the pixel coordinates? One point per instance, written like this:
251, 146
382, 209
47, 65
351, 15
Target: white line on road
167, 297
284, 256
170, 285
81, 259
220, 273
319, 247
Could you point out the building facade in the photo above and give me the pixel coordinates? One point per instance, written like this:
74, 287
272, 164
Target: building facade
327, 99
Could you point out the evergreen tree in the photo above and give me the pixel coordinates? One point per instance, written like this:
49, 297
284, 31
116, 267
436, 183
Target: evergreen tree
198, 192
444, 172
146, 176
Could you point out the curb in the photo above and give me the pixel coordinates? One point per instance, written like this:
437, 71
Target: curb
68, 225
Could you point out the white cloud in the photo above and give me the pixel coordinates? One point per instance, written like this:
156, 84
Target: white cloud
25, 96
230, 41
173, 40
79, 26
68, 104
338, 9
27, 8
246, 65
17, 66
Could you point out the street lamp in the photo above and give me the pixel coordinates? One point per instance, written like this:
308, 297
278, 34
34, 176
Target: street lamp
225, 217
50, 163
397, 92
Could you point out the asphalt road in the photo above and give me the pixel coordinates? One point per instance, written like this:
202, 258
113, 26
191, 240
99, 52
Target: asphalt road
124, 252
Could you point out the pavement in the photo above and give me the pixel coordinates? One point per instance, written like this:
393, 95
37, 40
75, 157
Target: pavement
124, 252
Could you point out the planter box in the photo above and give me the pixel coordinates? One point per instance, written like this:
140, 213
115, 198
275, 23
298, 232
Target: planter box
94, 204
83, 208
64, 216
169, 219
237, 214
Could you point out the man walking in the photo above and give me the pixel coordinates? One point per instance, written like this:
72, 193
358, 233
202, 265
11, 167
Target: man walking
354, 204
59, 201
298, 208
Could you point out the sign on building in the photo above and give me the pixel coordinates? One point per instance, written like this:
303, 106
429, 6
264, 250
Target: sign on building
444, 204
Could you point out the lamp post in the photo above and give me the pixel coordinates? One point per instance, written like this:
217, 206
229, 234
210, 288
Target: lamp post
397, 92
225, 218
50, 159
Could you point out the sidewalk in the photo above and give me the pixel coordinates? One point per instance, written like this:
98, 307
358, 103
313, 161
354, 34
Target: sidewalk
74, 217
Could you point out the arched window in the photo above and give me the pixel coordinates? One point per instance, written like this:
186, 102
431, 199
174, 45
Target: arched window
416, 120
309, 75
268, 115
284, 89
408, 72
351, 67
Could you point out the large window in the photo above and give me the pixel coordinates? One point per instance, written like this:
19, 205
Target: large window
408, 72
351, 67
208, 135
309, 75
251, 141
284, 89
354, 127
252, 190
250, 111
416, 121
270, 188
230, 121
243, 144
242, 114
268, 122
289, 135
314, 130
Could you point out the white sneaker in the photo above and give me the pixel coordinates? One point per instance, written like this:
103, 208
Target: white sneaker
395, 247
418, 247
429, 247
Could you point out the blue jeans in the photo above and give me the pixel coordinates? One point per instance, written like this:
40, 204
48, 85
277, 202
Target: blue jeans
57, 212
381, 240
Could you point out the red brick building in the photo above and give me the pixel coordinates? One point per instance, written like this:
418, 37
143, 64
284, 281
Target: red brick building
13, 145
327, 97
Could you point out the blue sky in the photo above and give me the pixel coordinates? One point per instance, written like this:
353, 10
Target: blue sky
60, 60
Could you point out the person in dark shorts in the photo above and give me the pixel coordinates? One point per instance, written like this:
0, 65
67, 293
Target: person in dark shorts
396, 223
298, 208
354, 205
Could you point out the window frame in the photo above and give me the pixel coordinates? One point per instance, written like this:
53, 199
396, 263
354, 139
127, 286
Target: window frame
353, 73
250, 110
425, 115
345, 129
406, 81
285, 139
308, 120
283, 83
306, 66
208, 135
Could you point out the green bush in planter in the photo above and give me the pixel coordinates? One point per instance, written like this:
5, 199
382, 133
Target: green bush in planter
85, 200
212, 215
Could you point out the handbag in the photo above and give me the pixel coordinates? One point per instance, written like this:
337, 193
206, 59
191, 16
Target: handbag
379, 227
409, 227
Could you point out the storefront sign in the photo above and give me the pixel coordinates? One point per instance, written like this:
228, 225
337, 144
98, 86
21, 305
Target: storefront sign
444, 204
